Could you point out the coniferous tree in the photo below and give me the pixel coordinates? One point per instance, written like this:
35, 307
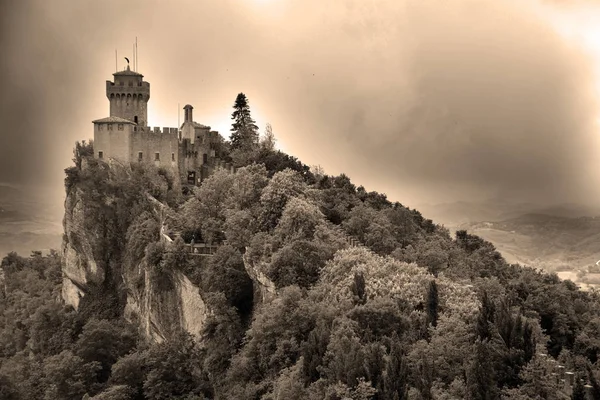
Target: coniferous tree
395, 375
244, 131
481, 384
578, 390
486, 318
432, 303
359, 288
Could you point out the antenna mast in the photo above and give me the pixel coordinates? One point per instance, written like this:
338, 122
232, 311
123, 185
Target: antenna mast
133, 48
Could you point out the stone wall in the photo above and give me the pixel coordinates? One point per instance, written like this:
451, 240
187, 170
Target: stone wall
113, 140
149, 141
199, 156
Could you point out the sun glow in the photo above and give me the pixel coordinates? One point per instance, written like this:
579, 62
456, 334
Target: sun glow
580, 25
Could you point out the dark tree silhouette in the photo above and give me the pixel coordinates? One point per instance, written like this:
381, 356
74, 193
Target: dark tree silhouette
432, 303
244, 131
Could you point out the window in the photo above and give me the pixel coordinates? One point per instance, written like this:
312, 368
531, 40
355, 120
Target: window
135, 119
100, 154
110, 127
120, 127
205, 158
191, 177
100, 127
156, 156
172, 156
140, 157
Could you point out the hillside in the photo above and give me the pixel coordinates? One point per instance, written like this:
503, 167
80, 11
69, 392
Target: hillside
551, 242
310, 288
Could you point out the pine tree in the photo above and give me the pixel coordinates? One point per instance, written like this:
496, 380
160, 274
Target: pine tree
244, 132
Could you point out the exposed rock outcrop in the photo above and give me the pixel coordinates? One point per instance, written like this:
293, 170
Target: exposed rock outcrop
161, 313
264, 288
98, 260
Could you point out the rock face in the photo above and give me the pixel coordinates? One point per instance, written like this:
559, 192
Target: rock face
94, 265
79, 265
264, 288
160, 313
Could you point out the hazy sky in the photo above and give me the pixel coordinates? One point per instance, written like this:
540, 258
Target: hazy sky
426, 100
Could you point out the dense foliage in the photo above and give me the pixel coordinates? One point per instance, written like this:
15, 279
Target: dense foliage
368, 299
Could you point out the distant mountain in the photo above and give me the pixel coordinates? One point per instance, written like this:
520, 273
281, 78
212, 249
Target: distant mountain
459, 213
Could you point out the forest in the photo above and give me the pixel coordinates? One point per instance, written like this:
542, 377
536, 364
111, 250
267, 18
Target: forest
412, 311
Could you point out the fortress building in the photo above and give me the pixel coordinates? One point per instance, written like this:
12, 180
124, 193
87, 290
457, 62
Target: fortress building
192, 151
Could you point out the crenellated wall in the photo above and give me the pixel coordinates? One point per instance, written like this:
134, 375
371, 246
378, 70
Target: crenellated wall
148, 141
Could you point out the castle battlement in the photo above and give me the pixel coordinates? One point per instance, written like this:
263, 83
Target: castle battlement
156, 130
132, 86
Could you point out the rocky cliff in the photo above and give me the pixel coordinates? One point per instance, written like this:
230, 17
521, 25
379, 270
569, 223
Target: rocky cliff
108, 224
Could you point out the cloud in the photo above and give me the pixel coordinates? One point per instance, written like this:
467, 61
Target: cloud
424, 100
453, 103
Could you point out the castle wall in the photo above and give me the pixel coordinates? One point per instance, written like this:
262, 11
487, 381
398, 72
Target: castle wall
150, 141
199, 156
113, 140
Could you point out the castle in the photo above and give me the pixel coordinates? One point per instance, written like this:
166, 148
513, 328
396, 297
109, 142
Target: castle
192, 151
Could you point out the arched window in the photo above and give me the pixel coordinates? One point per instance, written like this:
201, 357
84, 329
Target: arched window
135, 119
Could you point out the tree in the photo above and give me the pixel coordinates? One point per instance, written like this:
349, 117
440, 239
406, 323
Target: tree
105, 341
481, 382
67, 376
485, 318
268, 139
358, 288
578, 390
244, 132
432, 303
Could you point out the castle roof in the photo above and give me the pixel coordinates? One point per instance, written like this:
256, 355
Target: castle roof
113, 120
128, 72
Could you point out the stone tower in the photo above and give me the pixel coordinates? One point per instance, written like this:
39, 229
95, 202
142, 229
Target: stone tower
128, 96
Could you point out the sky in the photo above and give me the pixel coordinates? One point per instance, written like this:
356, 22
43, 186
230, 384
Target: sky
428, 101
